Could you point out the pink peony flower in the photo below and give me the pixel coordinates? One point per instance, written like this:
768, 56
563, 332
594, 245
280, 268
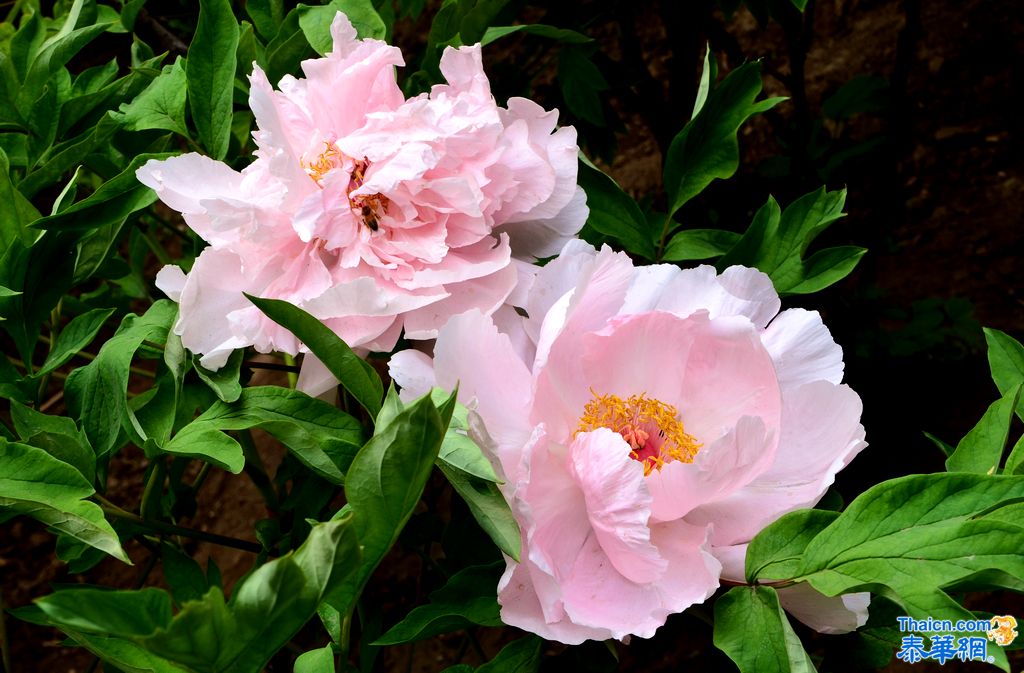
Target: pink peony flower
648, 422
371, 212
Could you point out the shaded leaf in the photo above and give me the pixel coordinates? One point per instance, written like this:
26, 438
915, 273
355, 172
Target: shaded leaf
752, 629
210, 74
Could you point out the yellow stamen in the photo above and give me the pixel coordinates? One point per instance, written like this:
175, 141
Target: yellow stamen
650, 427
329, 159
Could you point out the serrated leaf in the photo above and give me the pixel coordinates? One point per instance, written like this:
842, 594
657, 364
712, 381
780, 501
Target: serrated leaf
469, 597
36, 484
210, 74
981, 449
752, 629
355, 374
707, 148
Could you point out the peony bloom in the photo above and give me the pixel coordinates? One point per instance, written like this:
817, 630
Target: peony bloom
649, 422
372, 212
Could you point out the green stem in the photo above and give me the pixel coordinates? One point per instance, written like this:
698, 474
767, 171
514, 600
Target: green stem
155, 247
346, 636
257, 472
293, 377
112, 510
154, 490
664, 235
204, 471
44, 383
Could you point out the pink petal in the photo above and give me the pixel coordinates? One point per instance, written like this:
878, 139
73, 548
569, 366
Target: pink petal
413, 370
617, 502
738, 291
803, 348
470, 352
824, 614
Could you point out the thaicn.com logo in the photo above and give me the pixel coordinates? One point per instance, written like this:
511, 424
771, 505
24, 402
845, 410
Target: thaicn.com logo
948, 644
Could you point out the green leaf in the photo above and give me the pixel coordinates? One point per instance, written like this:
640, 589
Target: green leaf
355, 374
562, 35
287, 49
75, 336
613, 212
267, 16
489, 508
57, 435
316, 661
112, 203
1015, 461
908, 538
209, 635
707, 147
97, 393
582, 84
224, 382
708, 73
776, 241
266, 612
210, 74
315, 22
519, 656
1006, 360
775, 553
185, 578
17, 213
68, 155
699, 244
36, 484
946, 449
982, 448
469, 597
752, 629
384, 484
126, 613
161, 105
323, 437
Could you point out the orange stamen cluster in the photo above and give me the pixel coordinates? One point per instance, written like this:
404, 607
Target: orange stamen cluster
650, 427
328, 160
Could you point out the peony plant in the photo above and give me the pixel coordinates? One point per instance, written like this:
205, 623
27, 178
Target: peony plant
648, 423
373, 213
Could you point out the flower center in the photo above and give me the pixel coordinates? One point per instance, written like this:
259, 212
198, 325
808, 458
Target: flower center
327, 161
651, 428
370, 208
